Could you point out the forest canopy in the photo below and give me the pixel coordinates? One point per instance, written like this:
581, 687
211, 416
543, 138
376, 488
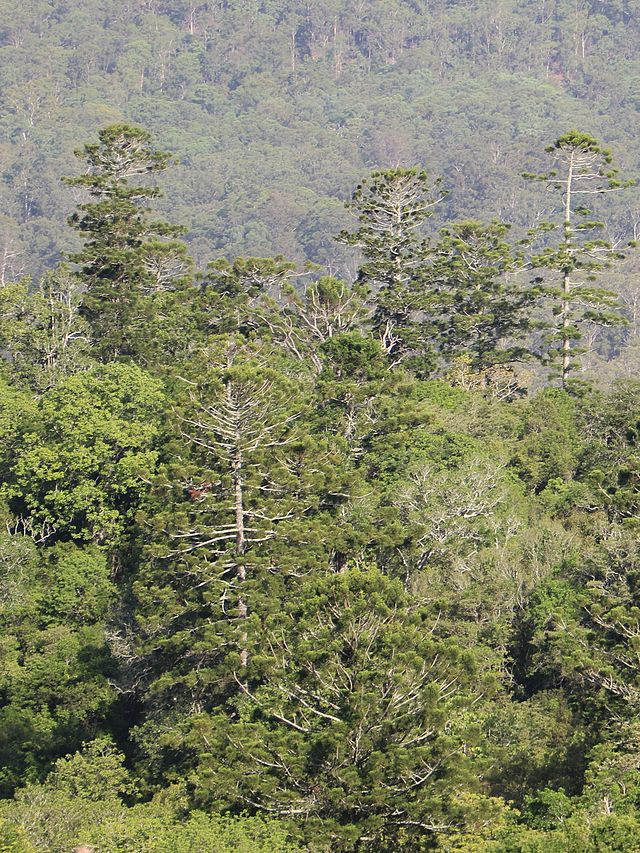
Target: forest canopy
293, 562
319, 471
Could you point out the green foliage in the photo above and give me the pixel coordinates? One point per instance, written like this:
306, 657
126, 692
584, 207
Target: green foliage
391, 208
127, 257
149, 830
275, 109
13, 840
18, 415
264, 584
41, 329
83, 470
550, 441
611, 456
354, 721
480, 305
55, 661
583, 168
82, 803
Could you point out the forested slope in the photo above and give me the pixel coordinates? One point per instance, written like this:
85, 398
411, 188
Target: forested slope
276, 109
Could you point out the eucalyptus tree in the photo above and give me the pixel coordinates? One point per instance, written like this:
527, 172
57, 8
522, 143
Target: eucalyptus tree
306, 318
41, 328
582, 167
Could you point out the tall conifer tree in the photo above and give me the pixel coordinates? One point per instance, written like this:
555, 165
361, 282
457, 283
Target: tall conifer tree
392, 207
582, 167
127, 255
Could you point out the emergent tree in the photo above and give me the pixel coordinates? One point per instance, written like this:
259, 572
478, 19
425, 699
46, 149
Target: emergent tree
582, 167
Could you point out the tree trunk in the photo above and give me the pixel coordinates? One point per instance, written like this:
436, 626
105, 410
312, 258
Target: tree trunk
566, 282
241, 569
566, 340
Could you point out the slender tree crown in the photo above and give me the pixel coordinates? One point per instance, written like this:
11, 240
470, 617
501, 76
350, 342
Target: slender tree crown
582, 167
128, 256
392, 207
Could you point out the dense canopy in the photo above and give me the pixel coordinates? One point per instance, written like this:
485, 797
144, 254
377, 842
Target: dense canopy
319, 425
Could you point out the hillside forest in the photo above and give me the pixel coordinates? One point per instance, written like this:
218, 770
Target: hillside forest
319, 428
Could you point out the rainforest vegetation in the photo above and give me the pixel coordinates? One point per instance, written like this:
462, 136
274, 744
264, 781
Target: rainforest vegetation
319, 466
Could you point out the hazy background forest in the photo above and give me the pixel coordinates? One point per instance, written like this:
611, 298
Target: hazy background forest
276, 109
